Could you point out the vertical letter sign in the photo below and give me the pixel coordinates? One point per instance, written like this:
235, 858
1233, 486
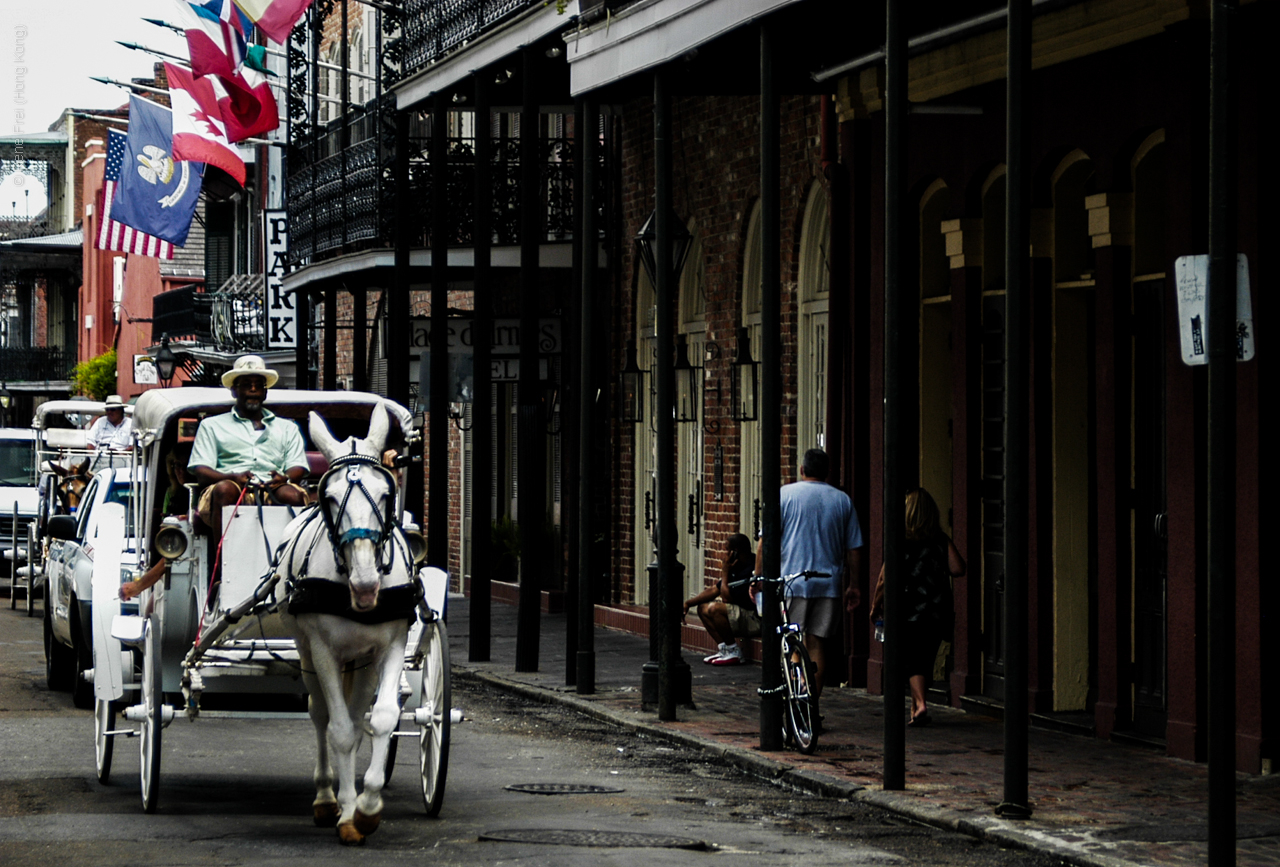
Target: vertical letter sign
282, 316
1192, 276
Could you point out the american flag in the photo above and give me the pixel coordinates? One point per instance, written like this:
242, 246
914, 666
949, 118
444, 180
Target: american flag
113, 235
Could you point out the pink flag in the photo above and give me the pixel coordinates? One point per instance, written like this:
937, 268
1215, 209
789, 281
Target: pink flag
199, 134
274, 17
247, 105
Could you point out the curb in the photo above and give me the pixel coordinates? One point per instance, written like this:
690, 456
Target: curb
1000, 831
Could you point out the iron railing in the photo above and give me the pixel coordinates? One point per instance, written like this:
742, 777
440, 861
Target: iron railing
233, 319
433, 28
35, 363
343, 199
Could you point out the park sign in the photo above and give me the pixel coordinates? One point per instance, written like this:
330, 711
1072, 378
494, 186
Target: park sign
282, 314
1191, 276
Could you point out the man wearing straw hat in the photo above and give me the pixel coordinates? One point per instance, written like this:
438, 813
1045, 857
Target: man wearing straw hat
114, 430
249, 446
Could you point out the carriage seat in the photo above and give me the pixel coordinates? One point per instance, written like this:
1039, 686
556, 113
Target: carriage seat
66, 438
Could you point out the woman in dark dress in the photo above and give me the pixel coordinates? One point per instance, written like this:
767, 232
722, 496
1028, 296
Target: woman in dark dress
929, 561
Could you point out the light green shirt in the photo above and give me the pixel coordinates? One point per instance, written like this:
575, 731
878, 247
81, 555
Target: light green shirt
229, 443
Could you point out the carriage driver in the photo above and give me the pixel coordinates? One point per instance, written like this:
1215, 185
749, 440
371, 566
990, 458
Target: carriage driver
249, 445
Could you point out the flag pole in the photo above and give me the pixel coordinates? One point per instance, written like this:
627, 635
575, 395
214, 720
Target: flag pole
136, 47
129, 85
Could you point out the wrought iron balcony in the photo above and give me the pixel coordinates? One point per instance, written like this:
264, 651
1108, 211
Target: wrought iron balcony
342, 198
433, 28
35, 363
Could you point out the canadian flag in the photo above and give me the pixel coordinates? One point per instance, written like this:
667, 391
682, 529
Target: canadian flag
247, 105
199, 133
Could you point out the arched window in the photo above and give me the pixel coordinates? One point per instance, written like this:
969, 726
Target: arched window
814, 285
935, 361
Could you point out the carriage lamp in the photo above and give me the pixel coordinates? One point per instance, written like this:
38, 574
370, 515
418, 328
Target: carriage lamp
166, 362
743, 373
687, 392
631, 404
171, 542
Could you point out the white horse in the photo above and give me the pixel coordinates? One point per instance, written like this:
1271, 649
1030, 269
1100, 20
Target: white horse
352, 592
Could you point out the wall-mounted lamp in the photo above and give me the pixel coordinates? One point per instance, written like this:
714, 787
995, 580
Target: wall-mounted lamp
6, 401
458, 413
688, 394
631, 388
166, 363
744, 373
554, 51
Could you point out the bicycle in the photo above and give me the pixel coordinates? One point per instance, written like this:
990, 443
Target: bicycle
798, 724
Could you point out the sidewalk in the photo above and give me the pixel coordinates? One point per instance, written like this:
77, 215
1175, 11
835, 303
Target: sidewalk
1096, 803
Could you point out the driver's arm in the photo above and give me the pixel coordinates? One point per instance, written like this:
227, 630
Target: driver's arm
209, 476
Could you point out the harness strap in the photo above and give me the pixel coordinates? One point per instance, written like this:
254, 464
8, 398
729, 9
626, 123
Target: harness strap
321, 596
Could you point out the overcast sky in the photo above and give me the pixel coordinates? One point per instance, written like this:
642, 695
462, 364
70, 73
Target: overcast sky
67, 41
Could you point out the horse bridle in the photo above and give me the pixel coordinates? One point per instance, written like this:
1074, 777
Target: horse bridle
353, 465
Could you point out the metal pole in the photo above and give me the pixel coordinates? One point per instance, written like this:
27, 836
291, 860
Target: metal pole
1221, 310
481, 408
1015, 804
588, 132
331, 337
895, 151
668, 568
572, 407
770, 392
532, 437
438, 450
398, 296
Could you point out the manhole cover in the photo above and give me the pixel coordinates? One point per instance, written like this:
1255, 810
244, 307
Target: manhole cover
600, 839
562, 789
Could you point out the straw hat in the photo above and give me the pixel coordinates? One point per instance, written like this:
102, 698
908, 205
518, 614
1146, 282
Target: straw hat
250, 365
114, 401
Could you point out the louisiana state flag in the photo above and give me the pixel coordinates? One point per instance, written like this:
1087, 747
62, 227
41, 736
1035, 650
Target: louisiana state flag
156, 193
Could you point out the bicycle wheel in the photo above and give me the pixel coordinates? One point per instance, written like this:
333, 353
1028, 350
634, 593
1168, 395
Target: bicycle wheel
801, 718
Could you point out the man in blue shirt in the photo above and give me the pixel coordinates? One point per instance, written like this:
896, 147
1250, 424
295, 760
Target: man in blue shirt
248, 446
820, 532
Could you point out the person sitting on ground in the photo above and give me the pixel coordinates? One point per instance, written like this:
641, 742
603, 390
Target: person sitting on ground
248, 447
114, 430
728, 612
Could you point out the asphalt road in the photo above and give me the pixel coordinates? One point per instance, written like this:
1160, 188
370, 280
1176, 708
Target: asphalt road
238, 791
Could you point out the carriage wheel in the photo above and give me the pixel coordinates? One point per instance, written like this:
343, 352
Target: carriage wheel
152, 722
433, 715
104, 720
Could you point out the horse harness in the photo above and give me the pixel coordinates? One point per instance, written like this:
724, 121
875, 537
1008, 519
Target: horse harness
307, 595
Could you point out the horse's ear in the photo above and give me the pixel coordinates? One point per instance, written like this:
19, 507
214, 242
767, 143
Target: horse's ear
321, 437
83, 468
378, 424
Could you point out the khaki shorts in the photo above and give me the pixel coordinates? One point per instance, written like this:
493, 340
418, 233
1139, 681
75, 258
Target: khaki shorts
205, 505
743, 622
818, 617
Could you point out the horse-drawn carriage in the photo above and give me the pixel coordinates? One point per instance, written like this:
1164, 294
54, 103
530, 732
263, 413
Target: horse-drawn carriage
279, 600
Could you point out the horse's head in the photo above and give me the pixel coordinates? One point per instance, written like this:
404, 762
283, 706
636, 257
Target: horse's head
357, 499
71, 487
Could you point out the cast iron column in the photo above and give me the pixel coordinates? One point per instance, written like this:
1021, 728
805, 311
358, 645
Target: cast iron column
895, 217
438, 449
1221, 310
481, 408
1015, 804
770, 394
587, 131
398, 296
531, 510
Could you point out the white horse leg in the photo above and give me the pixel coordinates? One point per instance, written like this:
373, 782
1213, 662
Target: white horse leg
383, 719
325, 807
342, 737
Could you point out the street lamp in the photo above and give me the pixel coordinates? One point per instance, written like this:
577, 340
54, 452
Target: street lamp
6, 400
743, 374
687, 392
632, 397
166, 363
681, 240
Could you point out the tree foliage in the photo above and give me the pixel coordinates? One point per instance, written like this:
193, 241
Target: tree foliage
97, 376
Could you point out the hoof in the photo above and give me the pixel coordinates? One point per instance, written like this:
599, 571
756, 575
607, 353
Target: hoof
326, 815
365, 823
349, 836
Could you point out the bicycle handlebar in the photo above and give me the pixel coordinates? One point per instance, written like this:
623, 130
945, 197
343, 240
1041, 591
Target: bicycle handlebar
806, 574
